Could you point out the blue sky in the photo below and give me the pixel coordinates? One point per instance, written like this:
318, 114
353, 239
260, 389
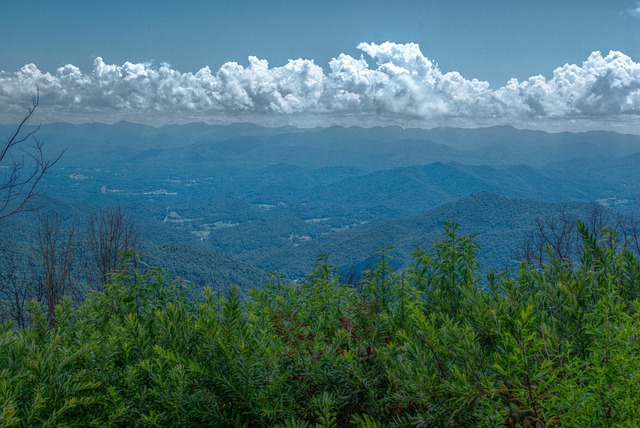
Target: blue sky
491, 41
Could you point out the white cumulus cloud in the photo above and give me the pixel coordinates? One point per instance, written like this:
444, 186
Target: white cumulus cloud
402, 86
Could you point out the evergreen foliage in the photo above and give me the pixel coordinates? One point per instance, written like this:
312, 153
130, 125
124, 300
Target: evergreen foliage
432, 346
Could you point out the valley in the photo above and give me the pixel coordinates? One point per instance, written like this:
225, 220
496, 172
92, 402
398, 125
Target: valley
274, 199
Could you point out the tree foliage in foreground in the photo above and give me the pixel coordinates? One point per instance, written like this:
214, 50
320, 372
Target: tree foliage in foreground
430, 346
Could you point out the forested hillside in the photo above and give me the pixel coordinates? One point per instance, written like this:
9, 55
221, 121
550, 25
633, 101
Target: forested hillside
502, 225
276, 198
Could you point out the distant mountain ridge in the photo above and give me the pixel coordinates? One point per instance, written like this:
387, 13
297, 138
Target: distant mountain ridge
372, 147
276, 198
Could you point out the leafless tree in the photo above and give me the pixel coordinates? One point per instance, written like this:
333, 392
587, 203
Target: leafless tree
16, 287
111, 238
54, 278
628, 228
559, 235
22, 164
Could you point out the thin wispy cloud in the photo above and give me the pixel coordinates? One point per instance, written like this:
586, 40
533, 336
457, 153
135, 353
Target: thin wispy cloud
635, 10
402, 84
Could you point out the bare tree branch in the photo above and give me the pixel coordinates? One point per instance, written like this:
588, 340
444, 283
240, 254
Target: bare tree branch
559, 235
26, 165
111, 235
16, 289
57, 251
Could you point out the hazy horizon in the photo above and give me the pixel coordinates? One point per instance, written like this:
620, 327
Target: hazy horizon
553, 66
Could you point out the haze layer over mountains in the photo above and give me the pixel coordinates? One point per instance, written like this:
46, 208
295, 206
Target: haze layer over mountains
273, 199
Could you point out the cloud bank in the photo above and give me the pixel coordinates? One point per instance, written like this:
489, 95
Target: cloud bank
398, 84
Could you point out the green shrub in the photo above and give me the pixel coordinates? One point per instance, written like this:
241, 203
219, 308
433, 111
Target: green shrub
433, 345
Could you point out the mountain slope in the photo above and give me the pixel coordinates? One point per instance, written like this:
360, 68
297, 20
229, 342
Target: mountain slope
201, 267
501, 225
